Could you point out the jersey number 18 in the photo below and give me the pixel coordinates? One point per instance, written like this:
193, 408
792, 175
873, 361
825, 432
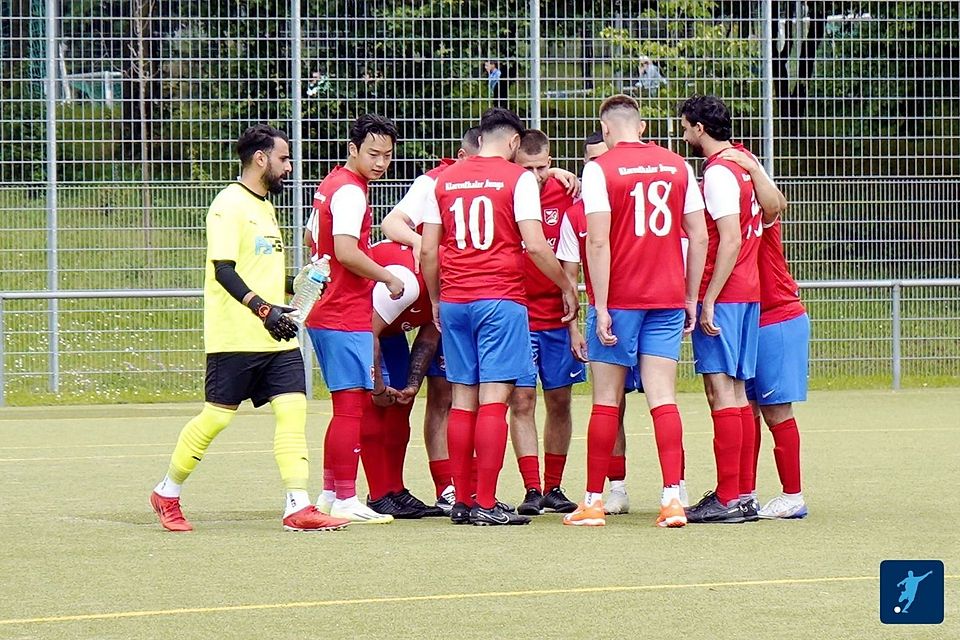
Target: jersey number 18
658, 220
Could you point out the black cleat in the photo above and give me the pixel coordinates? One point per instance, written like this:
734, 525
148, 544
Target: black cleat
531, 503
555, 501
481, 517
750, 509
410, 501
388, 505
710, 510
460, 514
509, 508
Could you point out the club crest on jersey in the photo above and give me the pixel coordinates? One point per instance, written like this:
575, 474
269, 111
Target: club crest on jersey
551, 216
266, 245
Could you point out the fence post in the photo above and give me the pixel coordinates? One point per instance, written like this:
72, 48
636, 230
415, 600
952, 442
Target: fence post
53, 322
895, 330
3, 357
535, 63
767, 19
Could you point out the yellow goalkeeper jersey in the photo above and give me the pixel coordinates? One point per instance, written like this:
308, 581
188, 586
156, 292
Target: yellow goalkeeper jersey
242, 227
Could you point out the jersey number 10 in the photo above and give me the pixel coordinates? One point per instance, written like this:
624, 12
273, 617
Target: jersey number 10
659, 220
480, 206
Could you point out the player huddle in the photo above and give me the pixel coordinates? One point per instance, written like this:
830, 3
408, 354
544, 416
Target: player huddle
483, 263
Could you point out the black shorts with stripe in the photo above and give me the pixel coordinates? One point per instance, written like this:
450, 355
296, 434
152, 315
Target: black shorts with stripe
233, 377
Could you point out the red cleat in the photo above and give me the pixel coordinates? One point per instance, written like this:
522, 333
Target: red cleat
312, 519
168, 510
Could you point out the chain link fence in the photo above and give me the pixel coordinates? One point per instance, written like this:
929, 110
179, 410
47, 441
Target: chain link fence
117, 120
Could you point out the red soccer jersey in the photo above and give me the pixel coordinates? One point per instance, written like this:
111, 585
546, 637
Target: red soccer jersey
478, 202
727, 187
345, 305
574, 247
420, 311
779, 293
647, 190
544, 299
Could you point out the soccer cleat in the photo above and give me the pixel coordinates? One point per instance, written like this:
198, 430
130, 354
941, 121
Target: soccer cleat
168, 510
389, 505
617, 500
750, 509
684, 500
446, 500
555, 501
481, 517
531, 503
783, 508
410, 501
710, 511
358, 513
460, 513
312, 519
584, 516
672, 515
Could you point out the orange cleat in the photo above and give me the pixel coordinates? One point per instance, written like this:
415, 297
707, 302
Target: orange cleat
168, 510
672, 515
585, 516
312, 519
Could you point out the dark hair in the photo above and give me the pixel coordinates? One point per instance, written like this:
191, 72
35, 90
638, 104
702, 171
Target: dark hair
499, 118
471, 140
534, 141
259, 137
712, 113
594, 138
619, 101
370, 124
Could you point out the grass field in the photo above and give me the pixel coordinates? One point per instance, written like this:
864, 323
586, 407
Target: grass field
82, 556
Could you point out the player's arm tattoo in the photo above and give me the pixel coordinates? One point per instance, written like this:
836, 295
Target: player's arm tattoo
421, 355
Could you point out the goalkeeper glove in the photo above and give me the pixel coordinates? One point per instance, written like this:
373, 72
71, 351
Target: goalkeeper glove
274, 318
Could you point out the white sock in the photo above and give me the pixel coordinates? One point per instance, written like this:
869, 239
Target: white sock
683, 485
748, 496
669, 494
329, 496
792, 497
296, 500
590, 498
618, 485
168, 488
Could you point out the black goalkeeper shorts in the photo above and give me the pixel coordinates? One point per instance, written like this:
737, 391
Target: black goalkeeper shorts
233, 377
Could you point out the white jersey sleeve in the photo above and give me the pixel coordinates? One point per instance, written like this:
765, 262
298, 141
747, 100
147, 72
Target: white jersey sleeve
431, 209
593, 189
693, 201
721, 191
568, 248
414, 202
348, 206
384, 305
526, 198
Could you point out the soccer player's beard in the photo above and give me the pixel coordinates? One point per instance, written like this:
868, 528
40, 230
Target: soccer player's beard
275, 183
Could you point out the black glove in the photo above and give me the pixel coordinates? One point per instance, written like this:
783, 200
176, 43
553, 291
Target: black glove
274, 318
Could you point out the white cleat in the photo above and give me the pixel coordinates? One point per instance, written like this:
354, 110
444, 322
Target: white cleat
447, 499
617, 501
783, 508
358, 513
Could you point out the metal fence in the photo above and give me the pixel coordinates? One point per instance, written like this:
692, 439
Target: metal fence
117, 119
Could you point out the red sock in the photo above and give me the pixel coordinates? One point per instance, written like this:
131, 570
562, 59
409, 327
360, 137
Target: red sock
553, 464
601, 436
669, 433
396, 439
473, 479
683, 464
327, 462
344, 440
786, 451
442, 475
618, 468
530, 472
748, 469
491, 444
461, 426
373, 452
727, 436
756, 448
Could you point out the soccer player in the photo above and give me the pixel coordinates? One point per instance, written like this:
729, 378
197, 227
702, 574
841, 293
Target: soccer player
637, 197
482, 209
725, 338
555, 363
340, 323
782, 350
249, 355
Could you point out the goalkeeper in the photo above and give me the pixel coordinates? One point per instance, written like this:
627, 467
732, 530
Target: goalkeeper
250, 343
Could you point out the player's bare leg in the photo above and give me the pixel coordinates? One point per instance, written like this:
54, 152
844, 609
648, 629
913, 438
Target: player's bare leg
523, 435
557, 431
789, 504
437, 411
659, 377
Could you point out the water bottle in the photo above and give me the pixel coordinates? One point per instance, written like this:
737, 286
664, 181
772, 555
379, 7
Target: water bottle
316, 276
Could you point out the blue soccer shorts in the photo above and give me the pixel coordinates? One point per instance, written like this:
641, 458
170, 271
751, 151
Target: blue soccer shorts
485, 341
648, 332
633, 382
783, 357
395, 360
734, 351
553, 360
438, 366
346, 358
